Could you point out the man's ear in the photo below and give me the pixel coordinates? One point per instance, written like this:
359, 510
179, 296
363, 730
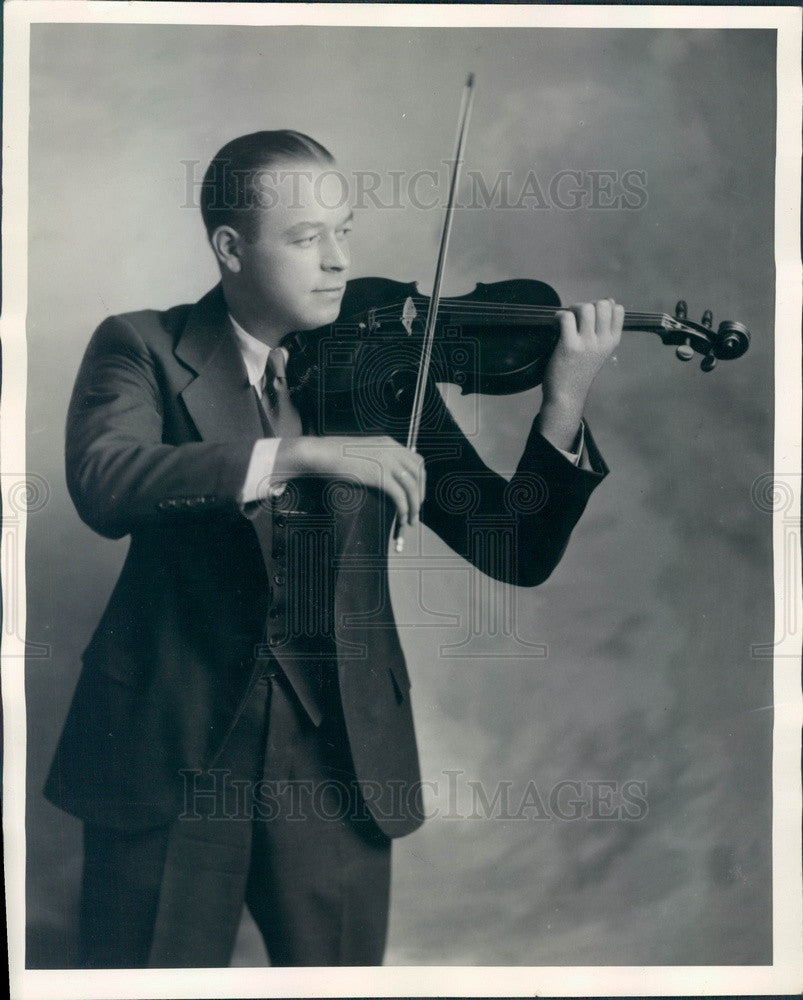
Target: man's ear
226, 243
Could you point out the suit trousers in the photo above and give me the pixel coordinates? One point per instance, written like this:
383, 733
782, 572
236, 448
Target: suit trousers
276, 823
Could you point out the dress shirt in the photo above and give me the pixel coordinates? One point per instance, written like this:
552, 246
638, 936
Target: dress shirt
257, 483
255, 356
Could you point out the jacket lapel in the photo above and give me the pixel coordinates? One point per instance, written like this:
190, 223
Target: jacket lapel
219, 400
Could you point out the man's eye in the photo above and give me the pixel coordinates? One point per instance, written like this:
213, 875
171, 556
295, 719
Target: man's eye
306, 241
344, 231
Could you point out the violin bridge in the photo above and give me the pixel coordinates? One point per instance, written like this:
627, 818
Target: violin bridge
409, 313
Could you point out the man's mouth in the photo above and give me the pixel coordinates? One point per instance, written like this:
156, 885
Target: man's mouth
330, 291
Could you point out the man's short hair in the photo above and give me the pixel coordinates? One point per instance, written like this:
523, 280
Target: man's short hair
231, 184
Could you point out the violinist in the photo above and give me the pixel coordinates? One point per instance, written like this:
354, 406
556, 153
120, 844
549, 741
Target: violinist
217, 755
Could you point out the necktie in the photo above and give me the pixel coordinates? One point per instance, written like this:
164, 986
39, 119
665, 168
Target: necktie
275, 400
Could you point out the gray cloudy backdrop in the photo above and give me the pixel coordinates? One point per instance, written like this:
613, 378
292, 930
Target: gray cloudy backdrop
649, 619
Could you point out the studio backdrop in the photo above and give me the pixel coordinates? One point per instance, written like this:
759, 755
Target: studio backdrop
597, 750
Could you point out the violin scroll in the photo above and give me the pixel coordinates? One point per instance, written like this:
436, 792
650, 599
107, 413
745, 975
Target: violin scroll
733, 339
730, 341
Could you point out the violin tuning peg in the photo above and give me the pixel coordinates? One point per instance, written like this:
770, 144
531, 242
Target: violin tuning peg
685, 352
709, 362
681, 310
708, 319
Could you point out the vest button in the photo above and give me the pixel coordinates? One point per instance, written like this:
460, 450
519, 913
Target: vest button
281, 520
278, 579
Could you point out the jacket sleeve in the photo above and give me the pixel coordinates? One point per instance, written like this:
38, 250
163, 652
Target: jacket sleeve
120, 472
513, 530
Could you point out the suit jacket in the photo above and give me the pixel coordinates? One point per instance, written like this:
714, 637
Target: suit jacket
160, 431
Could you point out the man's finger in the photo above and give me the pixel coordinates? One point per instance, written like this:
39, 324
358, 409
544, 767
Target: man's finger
603, 312
586, 319
399, 497
409, 483
413, 463
419, 471
567, 321
618, 321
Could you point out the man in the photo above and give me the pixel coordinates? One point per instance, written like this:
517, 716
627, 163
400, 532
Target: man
241, 730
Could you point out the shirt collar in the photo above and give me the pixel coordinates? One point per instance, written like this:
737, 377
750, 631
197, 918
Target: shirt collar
254, 352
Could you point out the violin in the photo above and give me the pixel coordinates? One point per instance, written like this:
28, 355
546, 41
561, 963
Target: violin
495, 340
371, 369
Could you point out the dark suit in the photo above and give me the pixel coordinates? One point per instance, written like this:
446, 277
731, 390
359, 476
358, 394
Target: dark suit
160, 432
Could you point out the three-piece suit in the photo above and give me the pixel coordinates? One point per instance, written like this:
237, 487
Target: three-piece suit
248, 640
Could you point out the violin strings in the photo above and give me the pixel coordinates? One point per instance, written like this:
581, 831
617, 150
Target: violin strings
512, 311
489, 308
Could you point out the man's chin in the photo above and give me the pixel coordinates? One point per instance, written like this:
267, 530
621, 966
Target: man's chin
321, 316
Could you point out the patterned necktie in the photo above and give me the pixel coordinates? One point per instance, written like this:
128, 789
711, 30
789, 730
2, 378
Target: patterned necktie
278, 407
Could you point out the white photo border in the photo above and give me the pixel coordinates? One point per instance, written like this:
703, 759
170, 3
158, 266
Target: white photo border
786, 972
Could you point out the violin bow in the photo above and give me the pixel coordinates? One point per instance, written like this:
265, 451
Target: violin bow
434, 301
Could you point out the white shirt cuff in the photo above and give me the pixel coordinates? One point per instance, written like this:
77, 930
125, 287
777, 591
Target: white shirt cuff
575, 456
257, 483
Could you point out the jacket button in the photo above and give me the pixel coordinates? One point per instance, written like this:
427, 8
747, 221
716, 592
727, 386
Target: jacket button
274, 640
278, 579
281, 520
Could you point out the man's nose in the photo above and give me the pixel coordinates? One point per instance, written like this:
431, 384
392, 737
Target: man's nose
335, 255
